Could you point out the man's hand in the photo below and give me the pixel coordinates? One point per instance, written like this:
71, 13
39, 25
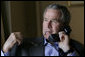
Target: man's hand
64, 41
14, 38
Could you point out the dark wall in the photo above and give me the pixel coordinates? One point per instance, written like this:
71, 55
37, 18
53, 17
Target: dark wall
23, 18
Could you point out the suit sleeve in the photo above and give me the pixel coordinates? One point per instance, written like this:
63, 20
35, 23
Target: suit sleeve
74, 53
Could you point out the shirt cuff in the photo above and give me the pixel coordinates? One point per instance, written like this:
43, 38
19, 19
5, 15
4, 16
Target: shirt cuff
2, 54
5, 54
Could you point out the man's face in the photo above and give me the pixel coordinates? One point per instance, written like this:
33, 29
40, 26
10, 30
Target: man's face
51, 24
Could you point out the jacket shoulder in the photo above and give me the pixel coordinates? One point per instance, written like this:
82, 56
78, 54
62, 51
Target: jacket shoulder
78, 46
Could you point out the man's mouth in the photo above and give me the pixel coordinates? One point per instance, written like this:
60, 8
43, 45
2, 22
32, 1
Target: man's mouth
47, 32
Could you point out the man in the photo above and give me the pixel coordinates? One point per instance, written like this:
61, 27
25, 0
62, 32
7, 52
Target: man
55, 17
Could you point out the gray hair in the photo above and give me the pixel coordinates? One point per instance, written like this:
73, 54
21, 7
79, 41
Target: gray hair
65, 14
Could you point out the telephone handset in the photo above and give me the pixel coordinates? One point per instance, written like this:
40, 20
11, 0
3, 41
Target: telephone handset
55, 37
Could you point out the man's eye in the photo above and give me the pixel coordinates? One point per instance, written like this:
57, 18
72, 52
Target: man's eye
54, 21
45, 20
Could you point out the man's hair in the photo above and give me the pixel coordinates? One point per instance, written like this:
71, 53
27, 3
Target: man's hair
65, 14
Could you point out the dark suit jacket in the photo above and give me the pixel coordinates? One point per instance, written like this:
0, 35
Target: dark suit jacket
35, 47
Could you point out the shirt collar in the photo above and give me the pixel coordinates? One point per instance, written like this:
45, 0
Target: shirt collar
45, 42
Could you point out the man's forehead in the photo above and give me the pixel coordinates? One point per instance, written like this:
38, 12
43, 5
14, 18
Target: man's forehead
52, 13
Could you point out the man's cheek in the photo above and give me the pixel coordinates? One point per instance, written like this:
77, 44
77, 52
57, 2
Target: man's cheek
55, 30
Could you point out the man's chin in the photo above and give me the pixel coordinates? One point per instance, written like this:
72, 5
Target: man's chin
47, 35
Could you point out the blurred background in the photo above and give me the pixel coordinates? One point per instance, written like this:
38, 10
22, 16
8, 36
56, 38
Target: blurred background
26, 17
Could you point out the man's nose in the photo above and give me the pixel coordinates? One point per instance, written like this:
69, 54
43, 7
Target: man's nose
50, 24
